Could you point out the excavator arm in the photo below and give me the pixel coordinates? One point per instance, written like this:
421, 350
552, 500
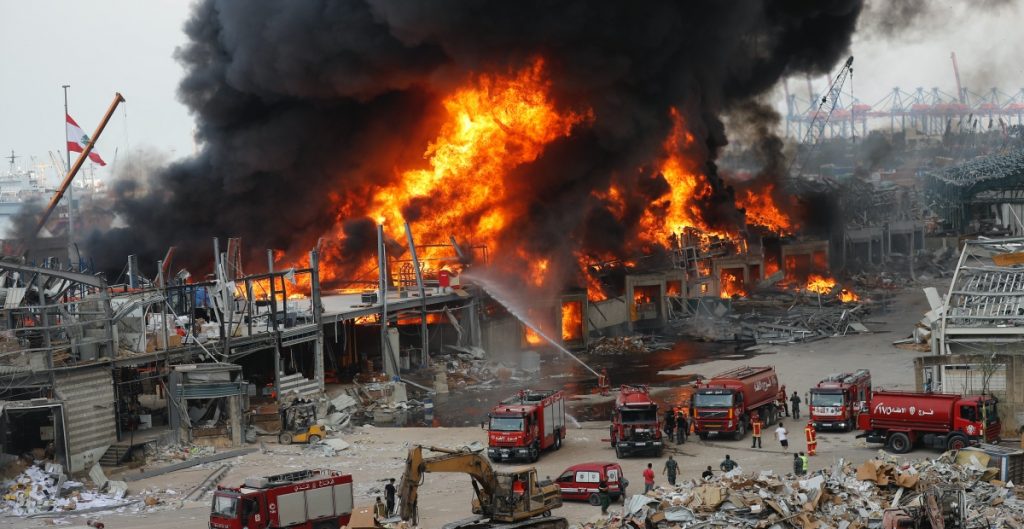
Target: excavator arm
416, 466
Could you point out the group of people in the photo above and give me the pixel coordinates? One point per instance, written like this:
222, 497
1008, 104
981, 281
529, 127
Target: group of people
383, 510
677, 425
794, 402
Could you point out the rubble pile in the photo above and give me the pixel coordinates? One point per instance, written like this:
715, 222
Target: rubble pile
46, 489
844, 497
768, 323
628, 345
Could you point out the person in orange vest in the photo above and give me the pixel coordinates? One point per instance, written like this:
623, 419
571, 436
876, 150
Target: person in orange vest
812, 438
780, 398
756, 425
602, 382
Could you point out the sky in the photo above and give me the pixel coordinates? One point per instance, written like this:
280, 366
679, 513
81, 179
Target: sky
101, 47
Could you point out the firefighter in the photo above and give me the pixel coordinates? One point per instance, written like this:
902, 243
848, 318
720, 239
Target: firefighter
755, 426
603, 385
682, 427
780, 399
670, 424
812, 438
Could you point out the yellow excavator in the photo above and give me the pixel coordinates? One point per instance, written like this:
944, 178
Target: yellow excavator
509, 499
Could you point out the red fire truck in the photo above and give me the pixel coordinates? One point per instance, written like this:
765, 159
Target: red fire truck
725, 403
900, 419
523, 426
636, 427
306, 499
835, 401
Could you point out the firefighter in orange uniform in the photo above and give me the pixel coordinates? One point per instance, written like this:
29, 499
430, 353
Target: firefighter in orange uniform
756, 425
781, 400
812, 438
603, 385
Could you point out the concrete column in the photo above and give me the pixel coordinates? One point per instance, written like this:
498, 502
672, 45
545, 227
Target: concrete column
318, 346
235, 419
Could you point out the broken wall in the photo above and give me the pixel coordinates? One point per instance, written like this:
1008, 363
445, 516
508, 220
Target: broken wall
88, 396
499, 336
1005, 373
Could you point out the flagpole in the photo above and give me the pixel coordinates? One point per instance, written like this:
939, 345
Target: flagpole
71, 197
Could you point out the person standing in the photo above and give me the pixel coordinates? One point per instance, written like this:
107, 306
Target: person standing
727, 464
682, 427
670, 424
602, 492
812, 438
798, 465
671, 467
648, 478
795, 401
707, 474
755, 426
389, 496
780, 398
781, 435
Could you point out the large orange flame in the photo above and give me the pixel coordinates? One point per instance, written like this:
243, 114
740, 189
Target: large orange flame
572, 321
731, 285
496, 123
761, 210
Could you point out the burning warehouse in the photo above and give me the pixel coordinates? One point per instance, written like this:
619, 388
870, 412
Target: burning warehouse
569, 150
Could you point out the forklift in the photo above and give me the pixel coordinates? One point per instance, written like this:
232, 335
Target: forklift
298, 424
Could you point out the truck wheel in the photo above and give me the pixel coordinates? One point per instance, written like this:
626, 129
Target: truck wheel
558, 440
314, 439
703, 436
594, 499
898, 443
956, 442
534, 454
285, 438
741, 430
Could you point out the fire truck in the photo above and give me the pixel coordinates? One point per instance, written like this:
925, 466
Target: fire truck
524, 425
305, 499
636, 427
725, 403
946, 421
835, 401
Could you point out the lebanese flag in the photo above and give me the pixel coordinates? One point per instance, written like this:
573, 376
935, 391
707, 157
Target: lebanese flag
77, 140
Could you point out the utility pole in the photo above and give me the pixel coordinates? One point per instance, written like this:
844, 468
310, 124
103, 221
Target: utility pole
71, 194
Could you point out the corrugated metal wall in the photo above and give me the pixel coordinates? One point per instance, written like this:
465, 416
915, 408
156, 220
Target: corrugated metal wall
297, 385
88, 396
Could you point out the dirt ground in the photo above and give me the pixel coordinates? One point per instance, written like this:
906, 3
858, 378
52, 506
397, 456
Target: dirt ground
379, 453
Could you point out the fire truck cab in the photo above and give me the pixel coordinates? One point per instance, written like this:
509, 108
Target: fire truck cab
835, 401
636, 427
305, 499
526, 424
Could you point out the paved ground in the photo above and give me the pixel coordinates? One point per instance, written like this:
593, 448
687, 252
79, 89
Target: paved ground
379, 453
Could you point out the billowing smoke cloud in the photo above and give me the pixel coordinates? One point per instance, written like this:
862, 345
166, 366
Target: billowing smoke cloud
304, 107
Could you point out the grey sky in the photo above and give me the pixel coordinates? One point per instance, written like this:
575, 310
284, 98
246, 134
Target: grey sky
103, 46
98, 47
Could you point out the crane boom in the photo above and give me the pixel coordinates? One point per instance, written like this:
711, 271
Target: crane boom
816, 128
956, 72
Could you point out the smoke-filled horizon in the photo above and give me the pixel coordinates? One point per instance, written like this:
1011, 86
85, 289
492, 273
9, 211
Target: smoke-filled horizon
305, 110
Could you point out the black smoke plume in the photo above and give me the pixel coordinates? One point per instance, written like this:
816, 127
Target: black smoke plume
304, 107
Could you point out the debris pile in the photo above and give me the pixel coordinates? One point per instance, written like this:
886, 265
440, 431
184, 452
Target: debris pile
846, 497
46, 489
628, 345
768, 323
